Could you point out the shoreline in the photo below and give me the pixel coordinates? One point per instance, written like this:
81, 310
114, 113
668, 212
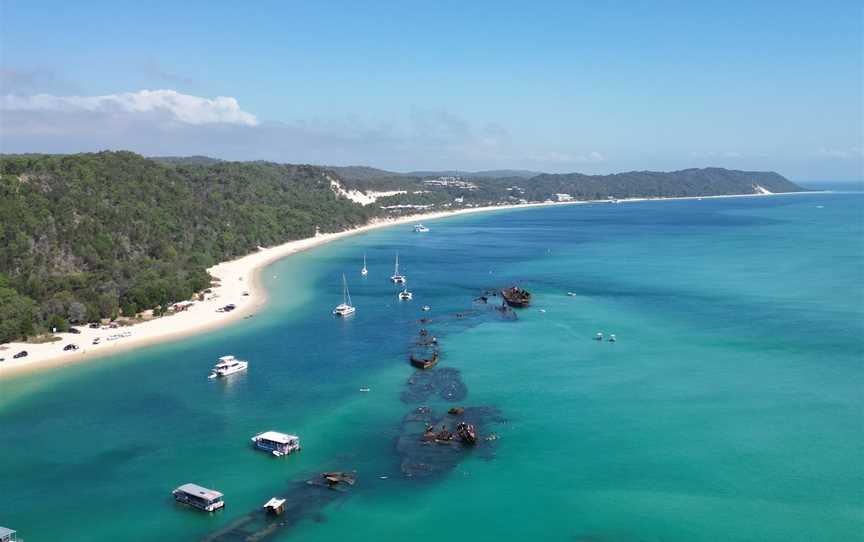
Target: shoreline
237, 278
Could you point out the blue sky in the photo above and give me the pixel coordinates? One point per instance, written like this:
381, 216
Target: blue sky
596, 87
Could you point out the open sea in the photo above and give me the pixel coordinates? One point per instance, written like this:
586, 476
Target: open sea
731, 407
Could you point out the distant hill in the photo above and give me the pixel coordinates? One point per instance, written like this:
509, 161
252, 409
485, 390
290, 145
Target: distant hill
688, 182
490, 174
186, 160
364, 173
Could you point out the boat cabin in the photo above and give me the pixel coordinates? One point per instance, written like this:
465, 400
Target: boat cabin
8, 535
199, 497
278, 444
274, 506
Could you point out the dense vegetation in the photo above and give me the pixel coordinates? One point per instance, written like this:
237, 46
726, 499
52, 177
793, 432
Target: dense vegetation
92, 236
88, 236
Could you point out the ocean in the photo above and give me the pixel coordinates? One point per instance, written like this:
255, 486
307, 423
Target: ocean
731, 406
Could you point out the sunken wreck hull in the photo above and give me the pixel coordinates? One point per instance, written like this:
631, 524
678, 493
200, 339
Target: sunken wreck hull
516, 297
424, 363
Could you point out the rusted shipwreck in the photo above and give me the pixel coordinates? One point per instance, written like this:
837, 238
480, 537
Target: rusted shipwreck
424, 362
516, 296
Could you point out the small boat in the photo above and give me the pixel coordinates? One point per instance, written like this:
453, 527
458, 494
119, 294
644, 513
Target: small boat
599, 336
365, 390
516, 297
420, 228
207, 500
426, 308
424, 363
364, 271
397, 278
571, 294
612, 338
405, 295
345, 308
228, 365
278, 444
274, 507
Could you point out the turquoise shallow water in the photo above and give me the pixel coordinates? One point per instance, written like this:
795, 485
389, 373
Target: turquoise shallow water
729, 409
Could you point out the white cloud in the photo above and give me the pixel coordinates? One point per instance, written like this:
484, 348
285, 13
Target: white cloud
179, 107
842, 154
166, 122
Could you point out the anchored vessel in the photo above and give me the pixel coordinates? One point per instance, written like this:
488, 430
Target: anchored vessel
208, 500
405, 294
228, 365
345, 308
364, 271
397, 278
420, 228
278, 444
516, 297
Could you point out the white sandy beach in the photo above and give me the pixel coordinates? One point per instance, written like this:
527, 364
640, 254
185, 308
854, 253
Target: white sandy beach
235, 278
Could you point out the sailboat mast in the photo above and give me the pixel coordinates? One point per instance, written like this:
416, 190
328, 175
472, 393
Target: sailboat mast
344, 289
396, 272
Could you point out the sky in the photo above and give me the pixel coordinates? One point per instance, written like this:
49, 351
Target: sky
594, 87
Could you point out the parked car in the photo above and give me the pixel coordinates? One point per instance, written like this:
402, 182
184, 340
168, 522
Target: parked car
70, 347
97, 340
20, 354
75, 331
94, 325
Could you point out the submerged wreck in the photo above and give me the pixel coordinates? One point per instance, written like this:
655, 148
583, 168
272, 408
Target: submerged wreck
301, 501
428, 448
444, 383
516, 296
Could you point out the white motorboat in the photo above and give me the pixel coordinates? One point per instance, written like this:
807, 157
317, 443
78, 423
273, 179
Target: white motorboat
405, 295
426, 308
228, 365
345, 308
599, 336
420, 228
397, 278
276, 443
612, 338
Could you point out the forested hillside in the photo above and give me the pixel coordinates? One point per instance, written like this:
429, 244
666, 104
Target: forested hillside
91, 236
85, 235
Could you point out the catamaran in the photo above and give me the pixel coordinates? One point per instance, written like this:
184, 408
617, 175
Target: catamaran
397, 278
345, 308
228, 365
405, 295
364, 271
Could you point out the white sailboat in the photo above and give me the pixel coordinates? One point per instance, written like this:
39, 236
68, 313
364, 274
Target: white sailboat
405, 295
345, 308
397, 278
364, 271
